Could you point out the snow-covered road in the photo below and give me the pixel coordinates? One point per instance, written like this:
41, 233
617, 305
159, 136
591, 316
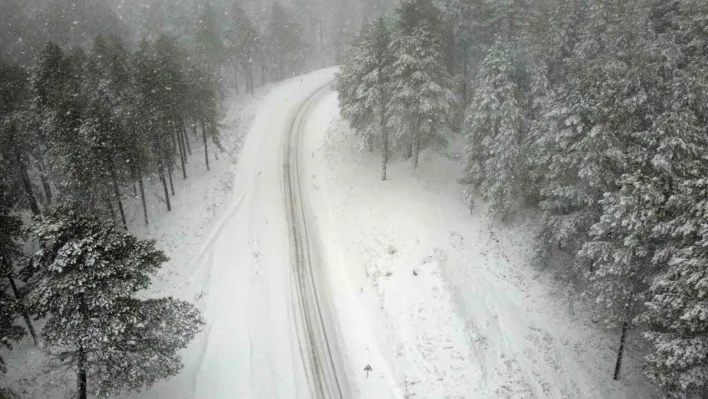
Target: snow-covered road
317, 333
267, 334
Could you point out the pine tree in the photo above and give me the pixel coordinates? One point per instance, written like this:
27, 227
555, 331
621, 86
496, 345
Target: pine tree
363, 86
169, 101
285, 44
243, 44
676, 296
208, 41
421, 88
103, 127
15, 142
468, 20
84, 282
496, 131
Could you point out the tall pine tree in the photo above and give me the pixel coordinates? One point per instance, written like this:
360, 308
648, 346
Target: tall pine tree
85, 281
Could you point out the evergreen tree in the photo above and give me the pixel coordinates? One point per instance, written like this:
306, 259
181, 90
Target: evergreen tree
363, 85
208, 41
15, 142
421, 88
496, 131
285, 42
677, 299
84, 282
243, 44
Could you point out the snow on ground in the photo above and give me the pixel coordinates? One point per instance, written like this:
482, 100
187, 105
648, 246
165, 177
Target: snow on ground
447, 302
186, 235
439, 302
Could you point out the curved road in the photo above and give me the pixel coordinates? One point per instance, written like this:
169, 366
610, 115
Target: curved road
317, 340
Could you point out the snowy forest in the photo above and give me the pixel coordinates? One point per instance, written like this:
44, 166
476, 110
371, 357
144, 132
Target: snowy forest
95, 99
592, 113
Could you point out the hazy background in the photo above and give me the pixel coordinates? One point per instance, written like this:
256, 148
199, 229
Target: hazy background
26, 25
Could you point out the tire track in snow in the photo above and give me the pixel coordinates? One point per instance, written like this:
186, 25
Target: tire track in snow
315, 347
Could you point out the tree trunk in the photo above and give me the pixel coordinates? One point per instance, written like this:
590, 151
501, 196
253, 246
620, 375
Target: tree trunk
415, 150
81, 359
182, 154
164, 186
172, 184
384, 135
81, 366
623, 337
25, 315
23, 310
206, 145
370, 141
116, 192
185, 139
135, 190
142, 198
43, 176
464, 73
27, 185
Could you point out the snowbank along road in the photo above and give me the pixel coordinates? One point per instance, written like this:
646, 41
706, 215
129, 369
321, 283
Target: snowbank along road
315, 326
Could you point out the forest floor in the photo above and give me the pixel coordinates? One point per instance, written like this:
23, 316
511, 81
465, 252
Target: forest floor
439, 301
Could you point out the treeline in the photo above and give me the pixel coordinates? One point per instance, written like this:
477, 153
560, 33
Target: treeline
396, 82
79, 131
238, 51
81, 127
593, 111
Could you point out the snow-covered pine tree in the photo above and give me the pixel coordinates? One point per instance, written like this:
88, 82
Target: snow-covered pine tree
84, 282
243, 41
468, 21
142, 126
208, 43
422, 97
677, 298
169, 100
363, 86
664, 141
285, 44
15, 141
201, 108
495, 129
104, 124
577, 149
